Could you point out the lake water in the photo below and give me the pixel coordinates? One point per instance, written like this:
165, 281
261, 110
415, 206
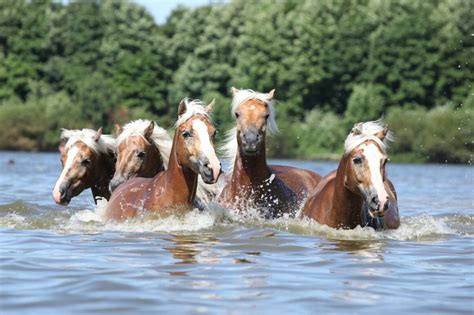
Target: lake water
56, 259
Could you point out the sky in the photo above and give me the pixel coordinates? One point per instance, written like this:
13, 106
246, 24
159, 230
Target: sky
160, 9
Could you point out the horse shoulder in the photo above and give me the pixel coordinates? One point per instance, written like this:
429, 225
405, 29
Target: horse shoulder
122, 202
319, 204
391, 218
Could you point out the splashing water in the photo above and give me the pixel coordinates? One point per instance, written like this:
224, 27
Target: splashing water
422, 227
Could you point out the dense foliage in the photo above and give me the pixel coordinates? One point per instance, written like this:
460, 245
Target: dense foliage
92, 63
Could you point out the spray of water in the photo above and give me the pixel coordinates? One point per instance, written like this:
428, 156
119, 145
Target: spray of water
421, 227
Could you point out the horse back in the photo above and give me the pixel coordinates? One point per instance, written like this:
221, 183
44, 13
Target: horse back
124, 200
299, 180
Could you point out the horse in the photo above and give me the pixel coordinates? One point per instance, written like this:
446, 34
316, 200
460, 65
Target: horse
192, 154
273, 188
142, 148
359, 191
88, 161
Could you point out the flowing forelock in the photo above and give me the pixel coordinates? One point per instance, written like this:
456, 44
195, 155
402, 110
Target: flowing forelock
106, 143
193, 107
367, 131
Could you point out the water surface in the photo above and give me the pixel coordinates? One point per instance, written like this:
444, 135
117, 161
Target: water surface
57, 259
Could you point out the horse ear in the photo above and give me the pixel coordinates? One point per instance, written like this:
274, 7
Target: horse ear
149, 130
270, 94
98, 134
234, 90
210, 106
182, 107
357, 129
64, 136
382, 133
118, 129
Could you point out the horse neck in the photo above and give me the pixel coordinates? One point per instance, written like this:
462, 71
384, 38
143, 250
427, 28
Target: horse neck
346, 206
104, 172
181, 181
154, 162
250, 170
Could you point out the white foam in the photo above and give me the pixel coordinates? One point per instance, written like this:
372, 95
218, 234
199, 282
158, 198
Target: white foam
422, 227
417, 228
194, 220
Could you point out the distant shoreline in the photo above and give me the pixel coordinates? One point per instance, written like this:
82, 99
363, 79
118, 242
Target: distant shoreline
397, 159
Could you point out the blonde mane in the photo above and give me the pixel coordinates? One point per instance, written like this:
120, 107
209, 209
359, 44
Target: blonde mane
230, 146
193, 107
362, 132
106, 143
159, 136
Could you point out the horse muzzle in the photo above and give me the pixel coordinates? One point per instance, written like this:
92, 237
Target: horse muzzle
377, 208
210, 172
251, 141
62, 195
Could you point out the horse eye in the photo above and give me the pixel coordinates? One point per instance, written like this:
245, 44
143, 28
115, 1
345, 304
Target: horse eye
214, 134
86, 162
267, 115
141, 154
186, 134
357, 160
237, 115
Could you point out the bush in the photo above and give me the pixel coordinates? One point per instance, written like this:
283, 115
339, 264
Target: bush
35, 124
439, 135
448, 135
365, 103
321, 135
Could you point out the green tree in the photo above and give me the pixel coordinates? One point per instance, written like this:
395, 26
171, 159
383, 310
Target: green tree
365, 103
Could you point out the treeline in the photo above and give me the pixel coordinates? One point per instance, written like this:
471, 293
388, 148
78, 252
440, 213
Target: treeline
93, 63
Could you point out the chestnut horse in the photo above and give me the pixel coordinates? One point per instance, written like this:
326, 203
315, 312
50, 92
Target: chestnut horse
192, 154
359, 192
275, 189
88, 161
143, 150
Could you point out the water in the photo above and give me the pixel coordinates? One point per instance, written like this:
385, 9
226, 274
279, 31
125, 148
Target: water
57, 259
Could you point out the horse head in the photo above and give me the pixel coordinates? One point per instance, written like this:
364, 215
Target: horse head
194, 140
142, 150
366, 160
80, 159
254, 115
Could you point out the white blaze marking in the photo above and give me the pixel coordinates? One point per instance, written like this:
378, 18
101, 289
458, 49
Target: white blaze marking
71, 154
374, 158
206, 146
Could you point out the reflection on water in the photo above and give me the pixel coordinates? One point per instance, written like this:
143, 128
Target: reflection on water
68, 260
184, 250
